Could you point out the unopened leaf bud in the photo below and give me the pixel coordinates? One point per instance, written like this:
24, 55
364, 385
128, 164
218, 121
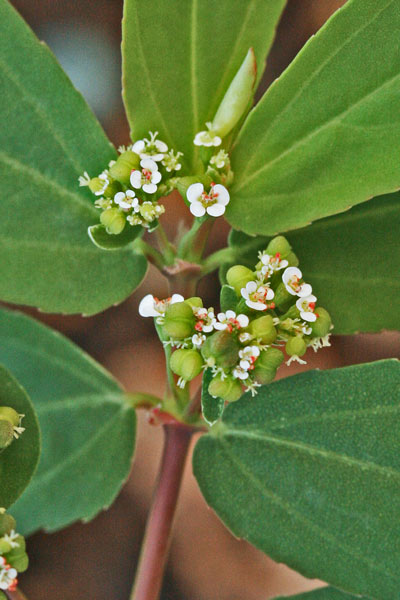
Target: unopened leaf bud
186, 363
7, 523
127, 162
228, 389
322, 325
223, 347
113, 220
238, 276
179, 320
296, 346
279, 245
263, 329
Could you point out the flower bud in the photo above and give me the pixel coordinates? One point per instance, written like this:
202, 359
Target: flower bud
322, 325
295, 346
7, 523
228, 389
195, 302
238, 276
237, 97
223, 347
127, 162
263, 329
280, 245
113, 220
186, 363
179, 320
6, 433
9, 414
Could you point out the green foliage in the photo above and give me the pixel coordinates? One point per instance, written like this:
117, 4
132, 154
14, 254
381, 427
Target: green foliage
49, 138
327, 593
228, 299
323, 138
350, 259
212, 408
175, 75
87, 424
309, 472
103, 240
18, 462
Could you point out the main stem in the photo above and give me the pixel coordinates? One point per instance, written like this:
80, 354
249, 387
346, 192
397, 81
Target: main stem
16, 595
150, 571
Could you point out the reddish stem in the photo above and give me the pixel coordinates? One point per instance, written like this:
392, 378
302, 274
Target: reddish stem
150, 571
16, 595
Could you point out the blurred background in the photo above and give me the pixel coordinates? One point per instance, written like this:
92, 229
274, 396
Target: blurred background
98, 560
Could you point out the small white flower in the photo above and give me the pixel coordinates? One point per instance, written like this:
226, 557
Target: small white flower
250, 353
152, 148
207, 138
153, 307
252, 387
256, 296
104, 178
8, 576
306, 307
296, 358
321, 342
126, 200
10, 539
198, 340
240, 373
147, 178
245, 337
220, 160
230, 321
271, 263
84, 179
213, 202
171, 161
291, 278
205, 319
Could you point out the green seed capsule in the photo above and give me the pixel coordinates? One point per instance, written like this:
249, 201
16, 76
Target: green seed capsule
186, 363
263, 374
263, 329
8, 413
227, 389
195, 301
127, 162
271, 358
223, 347
113, 220
7, 524
238, 276
179, 321
280, 245
296, 346
6, 433
322, 325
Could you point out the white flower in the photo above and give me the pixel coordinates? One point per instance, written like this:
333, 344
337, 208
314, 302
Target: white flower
198, 340
296, 358
306, 307
207, 138
153, 307
256, 296
126, 200
248, 356
84, 179
171, 161
252, 387
8, 576
220, 160
205, 319
152, 148
230, 321
321, 342
10, 539
147, 178
213, 203
291, 278
245, 337
240, 373
271, 263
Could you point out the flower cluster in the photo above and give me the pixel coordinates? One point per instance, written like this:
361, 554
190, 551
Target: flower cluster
129, 189
274, 310
13, 557
10, 426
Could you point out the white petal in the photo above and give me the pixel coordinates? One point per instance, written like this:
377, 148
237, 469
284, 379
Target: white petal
198, 139
118, 197
251, 287
220, 326
270, 294
223, 194
215, 141
157, 157
12, 573
308, 316
156, 177
230, 314
208, 328
146, 307
124, 204
136, 179
148, 163
244, 293
289, 273
129, 193
194, 191
216, 210
255, 351
243, 320
161, 146
265, 259
256, 305
149, 188
283, 264
197, 209
244, 364
138, 146
305, 290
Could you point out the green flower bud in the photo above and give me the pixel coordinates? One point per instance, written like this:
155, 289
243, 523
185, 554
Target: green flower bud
127, 162
223, 347
113, 220
4, 547
6, 433
280, 245
179, 320
7, 523
295, 346
9, 414
96, 185
237, 97
263, 329
186, 363
322, 325
238, 276
271, 358
228, 389
195, 301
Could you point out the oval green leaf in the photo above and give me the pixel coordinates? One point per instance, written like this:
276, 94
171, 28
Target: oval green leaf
325, 135
49, 137
87, 424
106, 241
211, 408
309, 472
18, 461
179, 60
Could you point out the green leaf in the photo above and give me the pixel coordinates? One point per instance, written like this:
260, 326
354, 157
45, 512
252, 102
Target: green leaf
48, 138
19, 460
105, 241
212, 408
351, 260
324, 137
87, 424
175, 75
228, 299
309, 472
326, 593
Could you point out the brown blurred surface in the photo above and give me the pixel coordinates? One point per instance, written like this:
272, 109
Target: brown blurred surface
97, 560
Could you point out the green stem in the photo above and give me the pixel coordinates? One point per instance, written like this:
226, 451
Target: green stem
167, 249
150, 571
192, 244
142, 400
152, 255
228, 255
